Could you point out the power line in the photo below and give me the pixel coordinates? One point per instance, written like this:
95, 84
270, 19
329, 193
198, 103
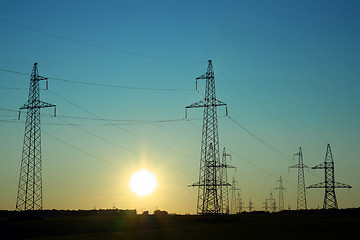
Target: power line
124, 148
281, 154
98, 46
246, 160
270, 112
123, 121
125, 130
106, 85
13, 88
95, 156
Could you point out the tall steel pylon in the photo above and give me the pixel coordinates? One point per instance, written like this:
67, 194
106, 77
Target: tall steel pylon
233, 189
301, 191
272, 202
29, 196
209, 184
224, 180
281, 194
251, 205
266, 205
329, 184
239, 202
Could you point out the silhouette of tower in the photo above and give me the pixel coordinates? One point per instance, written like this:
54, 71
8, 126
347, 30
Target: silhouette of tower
272, 202
281, 194
266, 205
209, 184
251, 206
273, 207
29, 196
301, 191
329, 184
233, 190
224, 182
240, 202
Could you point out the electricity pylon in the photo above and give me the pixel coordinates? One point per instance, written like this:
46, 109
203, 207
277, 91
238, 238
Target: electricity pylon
233, 190
281, 194
274, 206
240, 202
272, 203
224, 180
209, 184
29, 196
301, 191
251, 206
329, 184
266, 205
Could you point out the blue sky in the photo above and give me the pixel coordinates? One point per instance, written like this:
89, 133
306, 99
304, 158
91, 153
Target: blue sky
288, 70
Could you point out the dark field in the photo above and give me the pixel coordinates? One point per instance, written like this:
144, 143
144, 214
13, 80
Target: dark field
344, 224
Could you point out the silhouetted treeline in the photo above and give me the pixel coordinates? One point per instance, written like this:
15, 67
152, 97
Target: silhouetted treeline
118, 212
67, 213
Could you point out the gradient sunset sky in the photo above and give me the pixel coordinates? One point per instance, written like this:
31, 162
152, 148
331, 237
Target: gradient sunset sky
288, 70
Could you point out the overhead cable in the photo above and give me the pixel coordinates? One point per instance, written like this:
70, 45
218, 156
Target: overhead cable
98, 46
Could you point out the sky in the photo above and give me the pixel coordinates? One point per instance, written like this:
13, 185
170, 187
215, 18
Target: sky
288, 71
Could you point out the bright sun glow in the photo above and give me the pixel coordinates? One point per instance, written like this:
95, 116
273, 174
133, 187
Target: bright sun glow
143, 182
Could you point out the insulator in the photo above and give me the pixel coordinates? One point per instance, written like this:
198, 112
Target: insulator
185, 113
54, 111
19, 115
226, 112
47, 85
196, 85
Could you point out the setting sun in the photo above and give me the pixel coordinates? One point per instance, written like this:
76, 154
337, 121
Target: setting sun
143, 182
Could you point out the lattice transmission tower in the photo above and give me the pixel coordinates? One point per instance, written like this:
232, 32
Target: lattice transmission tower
224, 180
301, 191
29, 196
234, 200
281, 194
329, 184
240, 202
209, 184
251, 205
266, 205
272, 202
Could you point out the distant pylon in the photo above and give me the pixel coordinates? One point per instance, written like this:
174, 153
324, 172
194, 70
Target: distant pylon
29, 196
273, 205
209, 184
251, 206
329, 184
266, 205
301, 191
272, 202
233, 189
281, 194
240, 202
224, 180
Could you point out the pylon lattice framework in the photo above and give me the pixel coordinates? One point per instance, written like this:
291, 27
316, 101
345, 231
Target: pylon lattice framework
29, 196
281, 194
329, 184
251, 205
234, 199
301, 191
209, 184
224, 180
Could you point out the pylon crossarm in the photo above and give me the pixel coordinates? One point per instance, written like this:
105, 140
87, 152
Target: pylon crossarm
204, 76
204, 103
317, 185
40, 104
341, 185
320, 166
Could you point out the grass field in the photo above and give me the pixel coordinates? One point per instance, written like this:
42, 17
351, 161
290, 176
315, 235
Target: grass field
259, 225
